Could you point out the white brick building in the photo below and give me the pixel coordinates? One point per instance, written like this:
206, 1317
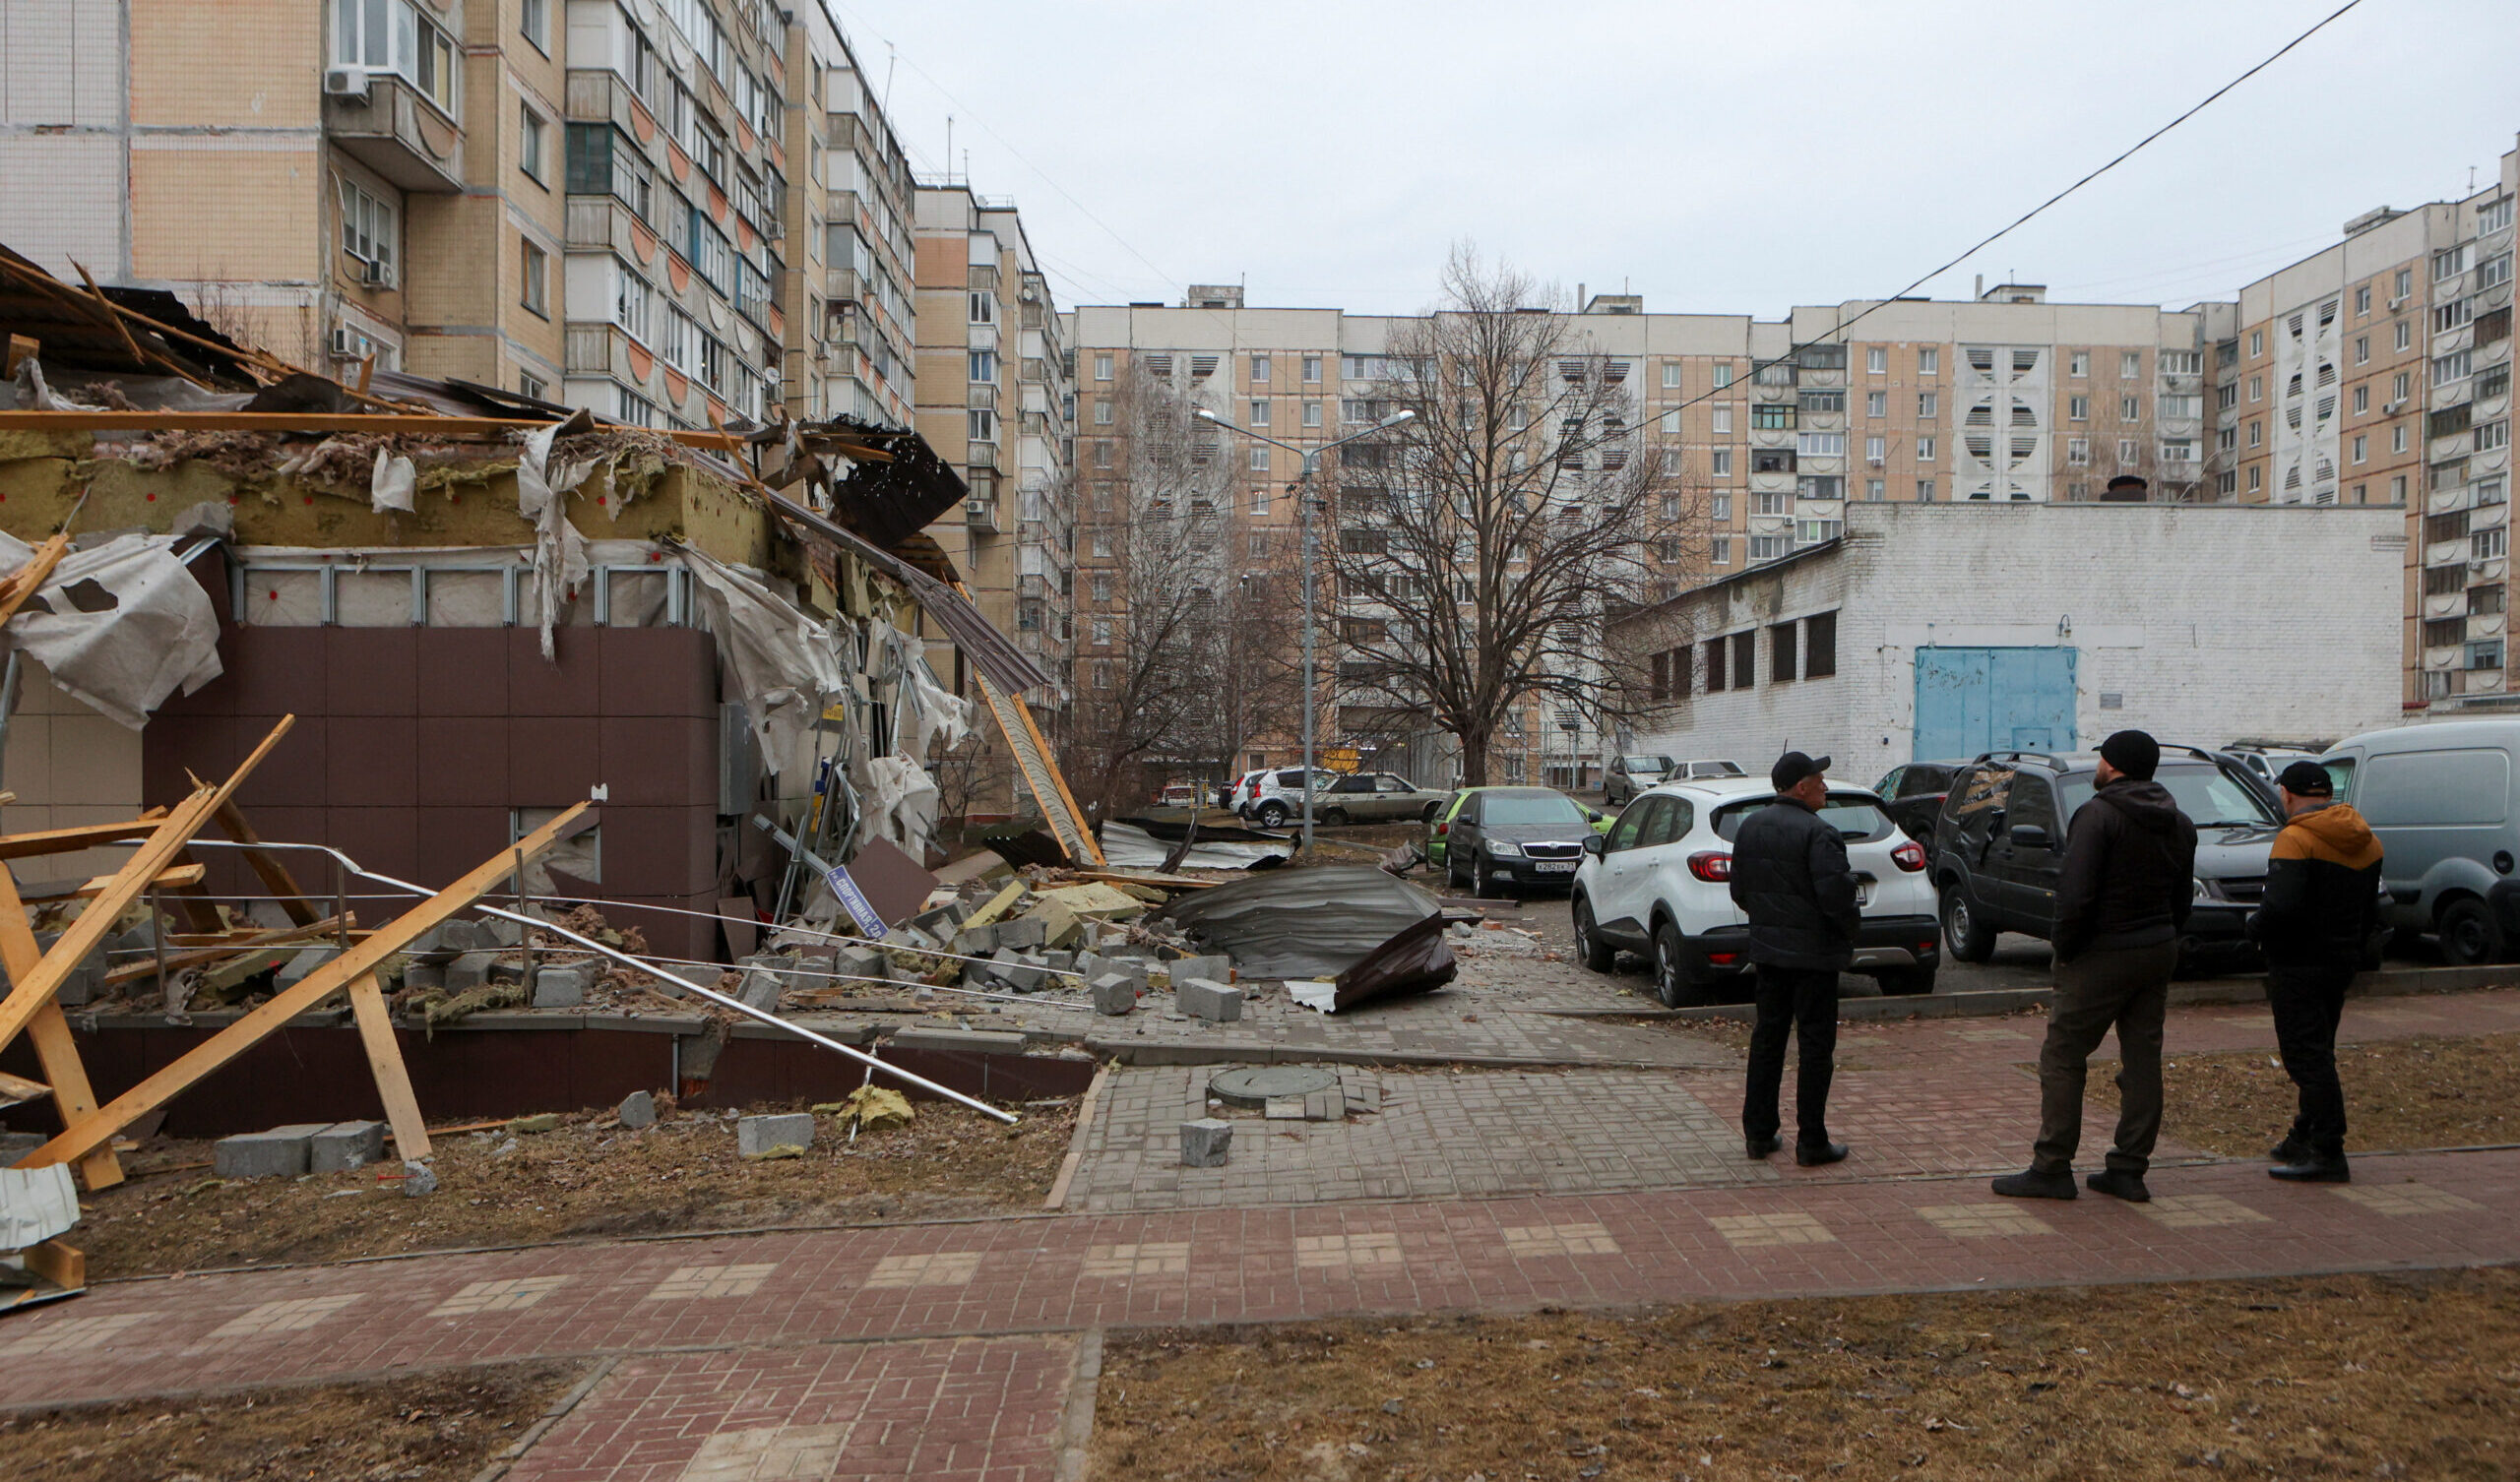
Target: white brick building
1932, 631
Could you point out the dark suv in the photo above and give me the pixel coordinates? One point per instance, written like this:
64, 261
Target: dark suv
2000, 840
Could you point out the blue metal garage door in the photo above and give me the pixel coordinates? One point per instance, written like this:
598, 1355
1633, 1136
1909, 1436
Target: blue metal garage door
1978, 699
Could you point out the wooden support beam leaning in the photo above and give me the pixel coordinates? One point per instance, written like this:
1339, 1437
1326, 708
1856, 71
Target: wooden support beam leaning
385, 1062
49, 1033
266, 864
81, 837
325, 981
83, 935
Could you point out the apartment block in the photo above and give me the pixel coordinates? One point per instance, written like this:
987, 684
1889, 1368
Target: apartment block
994, 400
851, 214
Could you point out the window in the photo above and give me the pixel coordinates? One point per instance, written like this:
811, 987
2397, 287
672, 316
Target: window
1259, 506
2487, 492
2450, 367
1771, 459
2180, 407
1929, 405
1720, 462
2256, 476
2078, 450
1876, 361
2078, 408
2361, 449
2178, 451
1746, 646
2078, 364
2397, 439
1873, 490
1720, 420
531, 133
1822, 400
1102, 412
981, 307
1876, 448
2483, 601
985, 366
1101, 367
2486, 653
1259, 370
1101, 544
1769, 501
2130, 364
2492, 382
1822, 444
2494, 270
1102, 630
1773, 416
1820, 645
1719, 551
1925, 491
2125, 453
2487, 545
2450, 315
981, 424
2256, 344
2362, 399
368, 231
1782, 658
1819, 486
2493, 215
1767, 549
1929, 360
538, 286
1926, 450
1312, 413
1876, 404
1259, 459
1723, 374
2131, 408
1671, 375
2362, 300
2453, 262
2405, 334
1774, 373
2492, 435
393, 35
1101, 454
1715, 680
1259, 413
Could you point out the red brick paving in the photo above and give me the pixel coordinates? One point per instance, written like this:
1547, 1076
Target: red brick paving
965, 1374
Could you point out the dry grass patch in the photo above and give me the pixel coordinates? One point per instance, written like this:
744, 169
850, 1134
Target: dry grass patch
589, 1178
2435, 1091
429, 1428
2401, 1375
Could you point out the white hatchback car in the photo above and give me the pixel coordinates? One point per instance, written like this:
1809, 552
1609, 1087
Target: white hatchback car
1659, 885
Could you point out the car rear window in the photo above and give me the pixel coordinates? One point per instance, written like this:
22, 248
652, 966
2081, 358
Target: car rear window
1858, 819
1530, 808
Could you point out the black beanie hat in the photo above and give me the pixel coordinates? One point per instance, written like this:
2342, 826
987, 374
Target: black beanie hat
2307, 780
2133, 753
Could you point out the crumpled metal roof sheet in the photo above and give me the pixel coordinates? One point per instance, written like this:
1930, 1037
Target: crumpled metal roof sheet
1302, 922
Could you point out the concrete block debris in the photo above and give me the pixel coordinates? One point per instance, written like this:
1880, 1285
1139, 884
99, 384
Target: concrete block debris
345, 1145
563, 985
968, 1041
419, 1179
1023, 931
1206, 1142
1016, 970
1208, 999
469, 969
1216, 967
779, 1135
280, 1152
637, 1110
1115, 993
862, 963
538, 1122
975, 941
760, 990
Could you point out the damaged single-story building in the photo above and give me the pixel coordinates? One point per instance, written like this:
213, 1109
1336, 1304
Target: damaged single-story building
482, 610
1931, 632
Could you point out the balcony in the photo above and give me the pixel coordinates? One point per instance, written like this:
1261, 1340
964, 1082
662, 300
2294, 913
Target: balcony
981, 516
399, 135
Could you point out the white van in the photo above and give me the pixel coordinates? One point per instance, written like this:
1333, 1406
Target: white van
2440, 797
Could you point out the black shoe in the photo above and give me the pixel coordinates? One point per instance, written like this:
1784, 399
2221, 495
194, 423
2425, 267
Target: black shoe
2291, 1150
2033, 1184
1813, 1155
1756, 1148
2117, 1184
2314, 1168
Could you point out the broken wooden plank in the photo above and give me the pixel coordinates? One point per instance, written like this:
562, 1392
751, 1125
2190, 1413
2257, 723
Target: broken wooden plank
27, 580
385, 1062
171, 878
83, 837
996, 906
56, 1052
193, 957
266, 864
85, 935
63, 1266
15, 1089
325, 981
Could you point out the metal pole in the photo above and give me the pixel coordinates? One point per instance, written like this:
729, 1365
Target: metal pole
1304, 513
525, 930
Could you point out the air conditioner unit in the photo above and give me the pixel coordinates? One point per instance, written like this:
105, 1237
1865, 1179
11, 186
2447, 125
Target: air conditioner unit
342, 342
974, 508
345, 82
374, 274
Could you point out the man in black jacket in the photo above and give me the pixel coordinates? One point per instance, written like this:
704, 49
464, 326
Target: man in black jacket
2321, 905
2123, 896
1791, 879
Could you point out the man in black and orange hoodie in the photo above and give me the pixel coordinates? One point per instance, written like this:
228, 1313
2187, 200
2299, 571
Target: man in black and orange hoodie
2321, 905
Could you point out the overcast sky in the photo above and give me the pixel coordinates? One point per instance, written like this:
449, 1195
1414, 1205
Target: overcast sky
1738, 158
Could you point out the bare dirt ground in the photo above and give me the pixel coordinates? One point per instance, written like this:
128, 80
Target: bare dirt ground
2413, 1376
589, 1178
426, 1428
2428, 1092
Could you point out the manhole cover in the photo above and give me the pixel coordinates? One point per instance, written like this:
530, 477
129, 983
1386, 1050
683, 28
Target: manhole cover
1255, 1085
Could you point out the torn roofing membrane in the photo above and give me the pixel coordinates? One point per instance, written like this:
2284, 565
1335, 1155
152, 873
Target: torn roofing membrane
1309, 922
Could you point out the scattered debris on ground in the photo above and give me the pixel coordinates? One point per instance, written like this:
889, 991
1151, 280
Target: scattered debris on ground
441, 1427
590, 1176
2432, 1091
2388, 1376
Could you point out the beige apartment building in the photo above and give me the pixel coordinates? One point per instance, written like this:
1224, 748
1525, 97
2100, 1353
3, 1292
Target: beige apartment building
994, 399
1772, 428
587, 201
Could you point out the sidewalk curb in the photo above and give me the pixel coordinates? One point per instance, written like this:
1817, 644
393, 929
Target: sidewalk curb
2392, 982
1172, 1053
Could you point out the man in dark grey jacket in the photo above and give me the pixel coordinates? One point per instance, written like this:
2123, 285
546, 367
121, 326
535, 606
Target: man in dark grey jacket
1791, 879
2123, 896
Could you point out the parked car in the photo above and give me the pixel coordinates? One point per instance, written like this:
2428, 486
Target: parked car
1660, 885
1705, 767
1439, 827
1515, 837
1179, 794
1999, 847
2260, 762
1629, 775
2441, 798
1373, 797
1277, 795
1914, 795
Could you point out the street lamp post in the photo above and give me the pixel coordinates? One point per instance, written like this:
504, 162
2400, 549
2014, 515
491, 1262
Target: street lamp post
1311, 457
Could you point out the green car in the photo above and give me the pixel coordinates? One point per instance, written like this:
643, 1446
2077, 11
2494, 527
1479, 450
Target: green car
1442, 822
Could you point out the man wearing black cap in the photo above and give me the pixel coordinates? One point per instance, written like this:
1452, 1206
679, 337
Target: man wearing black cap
2122, 895
2321, 905
1791, 879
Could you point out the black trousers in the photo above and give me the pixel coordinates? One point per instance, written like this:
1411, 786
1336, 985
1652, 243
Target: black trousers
2126, 989
2307, 1001
1804, 1002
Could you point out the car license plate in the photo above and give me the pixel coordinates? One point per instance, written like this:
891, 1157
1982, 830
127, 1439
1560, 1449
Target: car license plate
1554, 866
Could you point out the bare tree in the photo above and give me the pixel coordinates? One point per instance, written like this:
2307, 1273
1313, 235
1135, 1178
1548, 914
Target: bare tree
1479, 547
1151, 661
